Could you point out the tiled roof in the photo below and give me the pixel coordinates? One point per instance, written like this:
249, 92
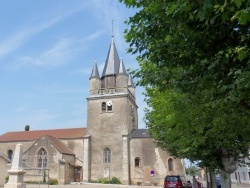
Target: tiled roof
61, 147
140, 133
36, 134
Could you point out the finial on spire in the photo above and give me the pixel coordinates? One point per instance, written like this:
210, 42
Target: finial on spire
112, 28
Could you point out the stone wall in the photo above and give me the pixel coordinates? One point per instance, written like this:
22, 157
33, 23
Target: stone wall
106, 130
152, 160
3, 170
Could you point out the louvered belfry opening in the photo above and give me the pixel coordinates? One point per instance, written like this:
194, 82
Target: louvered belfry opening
108, 82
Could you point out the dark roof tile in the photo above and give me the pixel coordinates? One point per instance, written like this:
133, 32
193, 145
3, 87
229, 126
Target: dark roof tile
140, 133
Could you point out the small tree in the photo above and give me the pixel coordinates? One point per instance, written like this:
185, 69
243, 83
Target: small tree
27, 127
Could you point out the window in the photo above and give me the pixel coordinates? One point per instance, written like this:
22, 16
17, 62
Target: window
42, 158
107, 155
170, 164
10, 154
109, 108
103, 106
137, 162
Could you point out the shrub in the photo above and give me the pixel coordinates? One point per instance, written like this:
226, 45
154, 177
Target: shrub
33, 182
6, 179
94, 181
53, 181
115, 180
103, 180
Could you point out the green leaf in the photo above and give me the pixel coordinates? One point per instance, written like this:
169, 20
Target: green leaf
238, 3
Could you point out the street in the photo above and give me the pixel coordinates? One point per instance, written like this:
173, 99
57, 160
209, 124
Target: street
96, 185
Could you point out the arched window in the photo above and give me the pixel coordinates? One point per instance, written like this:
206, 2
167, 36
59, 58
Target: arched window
170, 164
103, 106
42, 158
10, 154
137, 162
106, 155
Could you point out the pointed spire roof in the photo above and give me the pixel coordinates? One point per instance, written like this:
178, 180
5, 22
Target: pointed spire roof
95, 72
122, 69
130, 81
111, 66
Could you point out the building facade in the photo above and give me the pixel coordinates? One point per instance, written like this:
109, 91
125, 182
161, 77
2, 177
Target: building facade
4, 164
242, 174
111, 145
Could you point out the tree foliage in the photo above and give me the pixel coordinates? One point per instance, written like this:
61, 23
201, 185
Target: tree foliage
27, 128
191, 171
194, 59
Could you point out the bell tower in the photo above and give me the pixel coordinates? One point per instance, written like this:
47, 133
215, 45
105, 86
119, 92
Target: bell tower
112, 115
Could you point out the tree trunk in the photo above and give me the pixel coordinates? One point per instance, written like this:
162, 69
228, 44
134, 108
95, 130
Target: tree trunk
225, 179
210, 179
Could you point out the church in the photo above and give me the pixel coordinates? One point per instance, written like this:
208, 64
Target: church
111, 145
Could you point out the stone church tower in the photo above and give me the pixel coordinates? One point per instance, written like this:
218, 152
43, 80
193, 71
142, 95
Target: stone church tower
113, 145
112, 115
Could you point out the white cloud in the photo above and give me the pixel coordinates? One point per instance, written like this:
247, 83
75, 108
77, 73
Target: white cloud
95, 35
61, 52
56, 55
20, 37
13, 43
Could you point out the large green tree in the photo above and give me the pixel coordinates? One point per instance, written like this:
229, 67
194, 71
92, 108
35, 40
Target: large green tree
194, 59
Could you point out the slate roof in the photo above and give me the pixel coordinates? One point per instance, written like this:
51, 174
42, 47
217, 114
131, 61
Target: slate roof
130, 81
69, 133
95, 72
112, 63
140, 133
122, 69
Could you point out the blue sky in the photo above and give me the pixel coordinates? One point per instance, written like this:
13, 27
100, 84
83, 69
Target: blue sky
47, 51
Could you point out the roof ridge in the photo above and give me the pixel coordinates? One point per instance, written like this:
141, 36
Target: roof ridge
68, 133
46, 130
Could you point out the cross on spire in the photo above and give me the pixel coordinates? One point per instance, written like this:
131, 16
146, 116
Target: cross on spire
112, 28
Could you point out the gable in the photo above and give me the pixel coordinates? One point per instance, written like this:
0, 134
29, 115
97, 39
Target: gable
57, 144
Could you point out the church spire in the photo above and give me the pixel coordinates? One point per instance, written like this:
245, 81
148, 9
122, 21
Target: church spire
130, 81
94, 80
111, 66
95, 72
122, 69
131, 85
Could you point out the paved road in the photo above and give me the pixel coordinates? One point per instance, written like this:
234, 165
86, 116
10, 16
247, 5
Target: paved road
89, 185
93, 185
